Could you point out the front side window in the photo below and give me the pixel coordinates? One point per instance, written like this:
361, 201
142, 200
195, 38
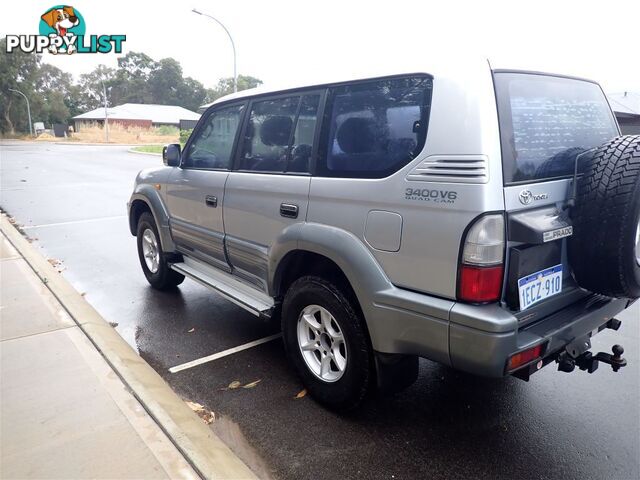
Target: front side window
212, 145
375, 128
546, 122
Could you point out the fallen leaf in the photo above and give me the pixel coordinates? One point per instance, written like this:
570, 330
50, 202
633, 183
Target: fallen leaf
53, 261
191, 331
207, 416
234, 384
196, 407
301, 393
252, 384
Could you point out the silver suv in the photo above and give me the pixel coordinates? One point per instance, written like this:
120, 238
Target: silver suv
485, 219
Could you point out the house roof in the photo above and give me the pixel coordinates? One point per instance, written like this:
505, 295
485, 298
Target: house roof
625, 102
139, 111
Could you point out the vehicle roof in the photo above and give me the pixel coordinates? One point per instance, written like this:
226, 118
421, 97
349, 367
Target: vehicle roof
436, 66
459, 68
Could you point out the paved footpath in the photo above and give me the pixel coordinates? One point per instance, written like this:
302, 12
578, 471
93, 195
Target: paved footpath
64, 412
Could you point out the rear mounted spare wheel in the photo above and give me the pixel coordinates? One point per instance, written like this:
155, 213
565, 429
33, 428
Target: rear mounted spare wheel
604, 250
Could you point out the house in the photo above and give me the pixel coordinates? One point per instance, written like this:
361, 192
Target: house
626, 107
137, 114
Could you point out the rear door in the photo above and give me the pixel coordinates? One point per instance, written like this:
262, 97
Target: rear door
195, 191
269, 189
549, 127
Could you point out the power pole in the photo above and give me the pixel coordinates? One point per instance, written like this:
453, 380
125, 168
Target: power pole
106, 113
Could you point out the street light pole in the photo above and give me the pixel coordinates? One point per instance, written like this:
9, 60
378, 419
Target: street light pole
28, 109
233, 46
106, 113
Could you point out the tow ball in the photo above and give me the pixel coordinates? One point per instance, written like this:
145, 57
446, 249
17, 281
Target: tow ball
589, 362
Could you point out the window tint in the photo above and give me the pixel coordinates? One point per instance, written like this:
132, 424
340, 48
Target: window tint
213, 143
546, 122
302, 142
267, 135
375, 127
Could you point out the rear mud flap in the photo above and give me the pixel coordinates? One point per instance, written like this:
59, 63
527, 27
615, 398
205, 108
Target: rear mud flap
395, 372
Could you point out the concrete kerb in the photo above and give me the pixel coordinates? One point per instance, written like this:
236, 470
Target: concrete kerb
204, 451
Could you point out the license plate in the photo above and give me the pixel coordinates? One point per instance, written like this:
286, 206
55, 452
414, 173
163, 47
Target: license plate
540, 285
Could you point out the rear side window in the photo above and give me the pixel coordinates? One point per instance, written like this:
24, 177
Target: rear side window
374, 128
546, 122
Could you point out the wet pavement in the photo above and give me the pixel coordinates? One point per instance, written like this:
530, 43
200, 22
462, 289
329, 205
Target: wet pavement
447, 425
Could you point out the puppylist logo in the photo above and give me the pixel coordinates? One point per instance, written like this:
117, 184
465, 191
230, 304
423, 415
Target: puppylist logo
62, 30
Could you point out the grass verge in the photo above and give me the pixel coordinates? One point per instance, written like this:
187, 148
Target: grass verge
149, 149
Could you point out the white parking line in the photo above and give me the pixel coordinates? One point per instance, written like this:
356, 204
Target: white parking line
224, 353
72, 222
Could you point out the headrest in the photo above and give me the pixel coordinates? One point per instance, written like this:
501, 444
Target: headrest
275, 130
357, 135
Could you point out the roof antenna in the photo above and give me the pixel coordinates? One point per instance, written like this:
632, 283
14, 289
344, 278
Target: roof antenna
574, 186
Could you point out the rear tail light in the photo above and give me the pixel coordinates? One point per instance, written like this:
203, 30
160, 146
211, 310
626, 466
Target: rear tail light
480, 284
482, 261
524, 357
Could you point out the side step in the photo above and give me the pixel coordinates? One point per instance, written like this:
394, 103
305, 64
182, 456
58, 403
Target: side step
252, 300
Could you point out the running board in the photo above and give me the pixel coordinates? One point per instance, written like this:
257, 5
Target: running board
252, 300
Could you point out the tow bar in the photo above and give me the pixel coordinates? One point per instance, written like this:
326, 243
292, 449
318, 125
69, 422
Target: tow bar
586, 361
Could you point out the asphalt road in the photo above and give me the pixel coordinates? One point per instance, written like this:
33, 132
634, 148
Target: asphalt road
447, 425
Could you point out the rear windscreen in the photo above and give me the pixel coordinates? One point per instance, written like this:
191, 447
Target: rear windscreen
546, 121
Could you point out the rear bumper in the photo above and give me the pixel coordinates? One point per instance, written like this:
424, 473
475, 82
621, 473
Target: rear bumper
478, 339
486, 353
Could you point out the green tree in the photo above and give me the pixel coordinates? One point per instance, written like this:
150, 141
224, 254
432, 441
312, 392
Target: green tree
130, 85
91, 90
225, 86
192, 94
18, 71
137, 65
56, 88
165, 82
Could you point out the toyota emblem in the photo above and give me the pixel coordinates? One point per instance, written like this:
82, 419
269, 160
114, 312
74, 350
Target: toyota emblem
526, 197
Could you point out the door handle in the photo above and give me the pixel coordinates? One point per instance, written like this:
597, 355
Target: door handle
211, 201
289, 210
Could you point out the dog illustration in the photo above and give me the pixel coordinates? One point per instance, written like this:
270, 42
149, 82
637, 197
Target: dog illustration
61, 20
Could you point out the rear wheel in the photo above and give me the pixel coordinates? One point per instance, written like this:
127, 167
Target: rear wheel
155, 262
605, 248
327, 343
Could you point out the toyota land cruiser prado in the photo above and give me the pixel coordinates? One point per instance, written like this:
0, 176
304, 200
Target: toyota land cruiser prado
487, 219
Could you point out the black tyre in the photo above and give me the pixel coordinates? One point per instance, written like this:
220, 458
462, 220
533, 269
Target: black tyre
327, 343
155, 262
604, 250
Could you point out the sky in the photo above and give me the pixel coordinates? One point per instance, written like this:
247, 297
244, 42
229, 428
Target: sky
284, 41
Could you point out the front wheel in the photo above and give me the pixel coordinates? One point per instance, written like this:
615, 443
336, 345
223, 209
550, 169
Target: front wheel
327, 343
155, 262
